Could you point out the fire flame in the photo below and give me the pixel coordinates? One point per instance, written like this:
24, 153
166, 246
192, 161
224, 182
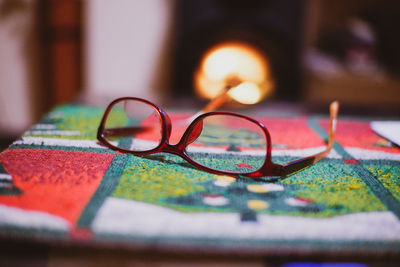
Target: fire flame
246, 93
238, 65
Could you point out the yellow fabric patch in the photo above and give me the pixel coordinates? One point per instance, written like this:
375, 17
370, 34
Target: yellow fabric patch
257, 188
257, 204
225, 178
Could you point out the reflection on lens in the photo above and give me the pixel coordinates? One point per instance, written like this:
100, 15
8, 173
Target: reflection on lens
227, 143
133, 125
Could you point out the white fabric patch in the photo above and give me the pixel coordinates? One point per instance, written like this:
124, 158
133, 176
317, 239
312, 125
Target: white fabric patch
367, 154
5, 176
215, 201
45, 126
57, 142
306, 152
124, 217
52, 132
31, 219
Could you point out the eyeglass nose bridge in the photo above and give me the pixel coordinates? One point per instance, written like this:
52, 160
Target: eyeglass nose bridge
176, 149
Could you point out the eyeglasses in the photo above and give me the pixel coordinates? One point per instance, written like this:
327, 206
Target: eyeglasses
222, 143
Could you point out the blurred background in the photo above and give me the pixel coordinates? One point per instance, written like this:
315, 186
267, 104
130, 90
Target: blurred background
306, 52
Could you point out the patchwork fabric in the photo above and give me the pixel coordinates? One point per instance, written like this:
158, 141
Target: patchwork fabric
58, 182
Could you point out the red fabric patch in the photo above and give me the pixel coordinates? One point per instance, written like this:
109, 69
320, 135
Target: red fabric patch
243, 165
293, 133
54, 181
211, 196
351, 161
358, 134
81, 234
303, 200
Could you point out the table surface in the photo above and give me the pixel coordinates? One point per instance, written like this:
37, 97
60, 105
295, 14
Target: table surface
60, 186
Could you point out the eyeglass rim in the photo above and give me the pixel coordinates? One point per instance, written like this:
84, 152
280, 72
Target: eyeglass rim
267, 169
165, 123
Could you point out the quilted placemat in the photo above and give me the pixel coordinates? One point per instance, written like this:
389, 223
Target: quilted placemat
58, 183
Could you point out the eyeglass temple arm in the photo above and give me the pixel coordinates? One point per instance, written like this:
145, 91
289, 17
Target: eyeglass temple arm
214, 103
299, 164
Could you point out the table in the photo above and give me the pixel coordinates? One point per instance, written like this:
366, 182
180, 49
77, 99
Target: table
60, 186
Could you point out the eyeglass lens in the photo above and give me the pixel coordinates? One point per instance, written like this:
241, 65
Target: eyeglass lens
221, 142
133, 125
227, 143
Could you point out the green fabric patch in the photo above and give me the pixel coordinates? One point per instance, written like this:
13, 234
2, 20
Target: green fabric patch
154, 178
326, 189
84, 119
388, 175
334, 183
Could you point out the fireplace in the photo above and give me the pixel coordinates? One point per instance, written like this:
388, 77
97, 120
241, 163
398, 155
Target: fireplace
273, 28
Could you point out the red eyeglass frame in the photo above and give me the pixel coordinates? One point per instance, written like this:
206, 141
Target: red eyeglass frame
267, 169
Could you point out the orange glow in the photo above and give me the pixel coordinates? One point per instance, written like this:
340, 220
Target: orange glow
239, 65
